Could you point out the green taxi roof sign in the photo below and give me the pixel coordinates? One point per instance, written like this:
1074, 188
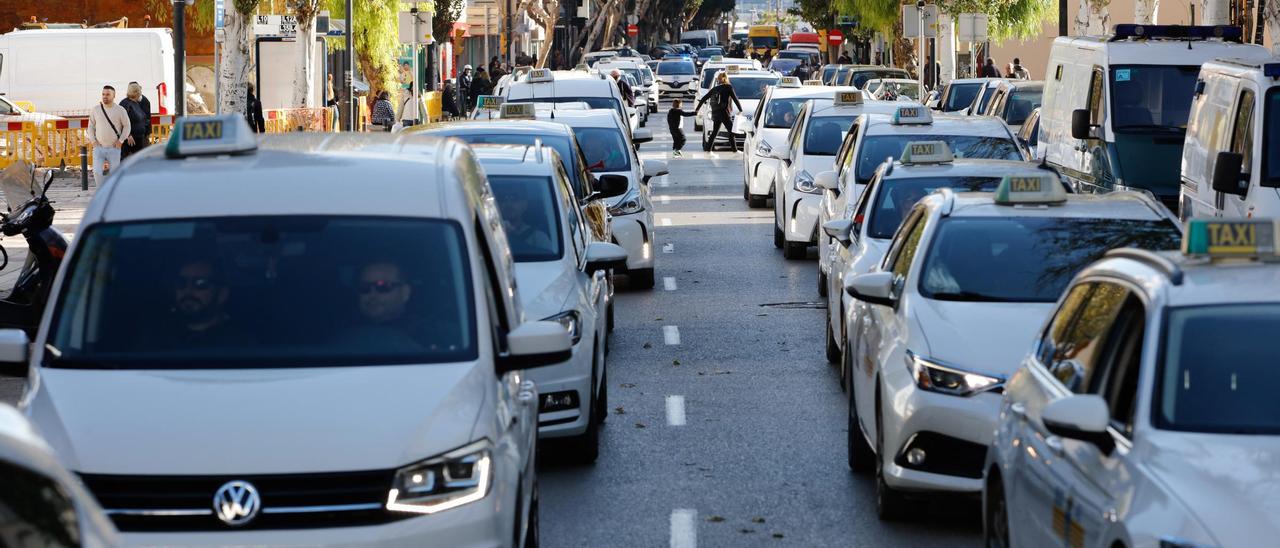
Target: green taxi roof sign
210, 135
1030, 189
913, 114
489, 102
519, 111
789, 82
927, 152
717, 58
1225, 238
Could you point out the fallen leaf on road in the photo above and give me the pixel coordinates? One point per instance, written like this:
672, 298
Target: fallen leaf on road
777, 535
647, 345
721, 372
675, 362
619, 411
746, 531
640, 425
757, 519
761, 315
715, 519
626, 385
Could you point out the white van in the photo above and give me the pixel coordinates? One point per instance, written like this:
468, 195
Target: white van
62, 71
1229, 161
699, 38
1115, 108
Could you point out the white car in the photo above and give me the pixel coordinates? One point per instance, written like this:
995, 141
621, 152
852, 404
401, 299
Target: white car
894, 89
562, 277
861, 233
946, 317
876, 137
707, 77
749, 85
609, 149
292, 369
1014, 100
44, 504
677, 76
810, 150
599, 91
11, 112
766, 130
1152, 423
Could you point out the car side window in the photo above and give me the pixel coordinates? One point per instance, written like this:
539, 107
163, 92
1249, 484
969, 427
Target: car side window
1116, 376
895, 245
859, 209
797, 130
755, 119
907, 254
1095, 96
1242, 129
845, 160
577, 231
1078, 343
36, 510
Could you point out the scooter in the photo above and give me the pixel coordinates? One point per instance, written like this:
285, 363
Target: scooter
24, 305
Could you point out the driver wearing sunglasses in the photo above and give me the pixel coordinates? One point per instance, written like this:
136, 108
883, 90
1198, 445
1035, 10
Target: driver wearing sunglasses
199, 305
382, 296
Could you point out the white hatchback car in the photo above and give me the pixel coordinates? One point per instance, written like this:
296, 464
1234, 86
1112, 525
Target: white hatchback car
946, 317
562, 277
677, 76
1145, 412
233, 357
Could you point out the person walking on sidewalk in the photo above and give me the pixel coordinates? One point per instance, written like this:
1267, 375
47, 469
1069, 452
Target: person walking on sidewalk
109, 128
674, 119
384, 113
718, 97
139, 109
253, 110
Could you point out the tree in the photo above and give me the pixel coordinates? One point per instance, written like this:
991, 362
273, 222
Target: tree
376, 36
544, 13
233, 75
1145, 11
1215, 12
446, 13
1021, 19
303, 79
1093, 18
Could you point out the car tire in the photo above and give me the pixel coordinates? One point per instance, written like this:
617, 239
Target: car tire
795, 250
833, 350
822, 283
609, 320
778, 237
602, 398
531, 537
585, 447
861, 457
641, 278
891, 505
995, 515
757, 202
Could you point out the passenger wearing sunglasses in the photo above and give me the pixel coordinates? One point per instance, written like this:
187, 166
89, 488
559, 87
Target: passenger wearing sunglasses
382, 298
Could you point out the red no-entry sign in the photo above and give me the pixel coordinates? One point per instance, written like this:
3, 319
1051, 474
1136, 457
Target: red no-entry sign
633, 30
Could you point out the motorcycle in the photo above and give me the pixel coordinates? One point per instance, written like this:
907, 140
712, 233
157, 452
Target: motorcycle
33, 219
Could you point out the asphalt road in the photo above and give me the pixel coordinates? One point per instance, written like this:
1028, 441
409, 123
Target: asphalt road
759, 458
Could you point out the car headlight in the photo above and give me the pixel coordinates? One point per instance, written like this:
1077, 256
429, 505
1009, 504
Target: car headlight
571, 321
630, 203
804, 183
763, 148
944, 379
440, 483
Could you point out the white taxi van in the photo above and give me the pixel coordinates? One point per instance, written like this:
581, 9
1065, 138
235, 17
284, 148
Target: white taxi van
563, 277
573, 86
947, 315
233, 357
1231, 159
1115, 108
1145, 413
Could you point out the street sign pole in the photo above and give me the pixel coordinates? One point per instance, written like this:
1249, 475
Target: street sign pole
179, 57
413, 53
219, 12
350, 84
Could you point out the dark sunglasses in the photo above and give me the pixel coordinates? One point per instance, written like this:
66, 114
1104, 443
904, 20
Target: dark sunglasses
196, 282
381, 287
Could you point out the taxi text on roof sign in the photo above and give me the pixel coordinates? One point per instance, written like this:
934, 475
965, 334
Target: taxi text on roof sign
927, 152
1248, 238
1030, 189
515, 111
917, 114
732, 69
489, 102
227, 134
846, 98
813, 82
789, 82
541, 75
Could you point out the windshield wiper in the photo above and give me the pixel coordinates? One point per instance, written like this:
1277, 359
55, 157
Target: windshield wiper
1151, 127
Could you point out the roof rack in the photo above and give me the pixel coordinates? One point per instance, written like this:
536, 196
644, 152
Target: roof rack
1151, 259
1133, 31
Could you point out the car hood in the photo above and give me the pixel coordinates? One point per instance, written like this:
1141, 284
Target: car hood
983, 337
257, 421
1230, 483
544, 288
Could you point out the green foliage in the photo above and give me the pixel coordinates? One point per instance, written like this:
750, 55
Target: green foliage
447, 13
818, 13
199, 17
878, 15
1020, 19
375, 36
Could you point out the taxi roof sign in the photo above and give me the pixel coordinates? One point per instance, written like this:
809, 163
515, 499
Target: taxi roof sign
490, 102
927, 152
913, 114
789, 82
519, 111
847, 98
1235, 238
210, 135
541, 75
1030, 189
732, 69
717, 58
813, 82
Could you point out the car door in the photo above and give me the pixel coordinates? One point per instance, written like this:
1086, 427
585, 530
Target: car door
781, 181
1231, 205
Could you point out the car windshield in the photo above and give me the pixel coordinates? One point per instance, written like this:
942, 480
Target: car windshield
961, 96
828, 73
752, 87
876, 148
708, 76
563, 145
895, 197
241, 292
1148, 98
860, 77
782, 113
708, 52
842, 75
1020, 104
528, 207
1027, 259
604, 148
675, 68
1218, 370
695, 42
825, 134
764, 41
1271, 141
898, 90
792, 54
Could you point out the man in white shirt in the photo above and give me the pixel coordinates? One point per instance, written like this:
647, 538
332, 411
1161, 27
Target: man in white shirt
108, 129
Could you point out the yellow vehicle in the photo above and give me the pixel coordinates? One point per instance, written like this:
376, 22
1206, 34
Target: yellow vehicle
764, 40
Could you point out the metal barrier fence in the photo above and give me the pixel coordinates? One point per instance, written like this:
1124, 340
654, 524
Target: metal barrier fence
53, 142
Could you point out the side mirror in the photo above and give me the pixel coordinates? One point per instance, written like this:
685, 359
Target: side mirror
827, 180
605, 256
608, 186
1081, 417
840, 230
641, 135
1227, 177
873, 288
536, 344
15, 349
1080, 124
654, 168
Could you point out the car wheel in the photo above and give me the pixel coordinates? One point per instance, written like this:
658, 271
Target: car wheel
890, 504
585, 447
795, 250
995, 530
531, 535
757, 202
778, 237
822, 283
602, 399
609, 320
641, 278
861, 458
833, 350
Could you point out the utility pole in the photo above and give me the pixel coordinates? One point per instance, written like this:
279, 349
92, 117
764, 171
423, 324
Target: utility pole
1062, 17
350, 107
413, 82
180, 56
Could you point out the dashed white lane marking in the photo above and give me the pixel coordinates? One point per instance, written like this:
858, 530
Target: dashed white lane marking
664, 199
684, 531
669, 283
666, 221
675, 410
668, 248
662, 182
671, 334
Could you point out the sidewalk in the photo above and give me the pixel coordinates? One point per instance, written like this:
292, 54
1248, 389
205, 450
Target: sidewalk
69, 203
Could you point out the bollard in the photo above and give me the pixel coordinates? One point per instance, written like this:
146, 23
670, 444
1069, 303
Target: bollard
84, 167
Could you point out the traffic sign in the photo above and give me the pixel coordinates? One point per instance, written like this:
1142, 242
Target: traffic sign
835, 37
633, 30
276, 25
972, 27
911, 16
219, 12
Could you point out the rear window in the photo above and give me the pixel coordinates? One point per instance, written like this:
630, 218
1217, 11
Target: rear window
876, 148
562, 144
860, 77
675, 68
825, 134
961, 96
752, 87
529, 215
604, 148
897, 196
1020, 104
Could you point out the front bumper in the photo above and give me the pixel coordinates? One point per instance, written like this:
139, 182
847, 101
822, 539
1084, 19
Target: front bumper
953, 431
667, 88
802, 217
634, 233
572, 375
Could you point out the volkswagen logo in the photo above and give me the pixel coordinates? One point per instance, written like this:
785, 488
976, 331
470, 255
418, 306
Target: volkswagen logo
236, 503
